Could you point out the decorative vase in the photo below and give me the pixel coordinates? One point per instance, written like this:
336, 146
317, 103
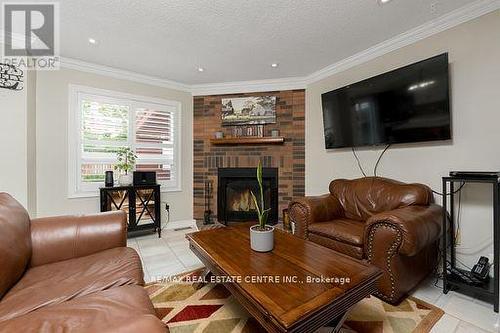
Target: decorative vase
108, 179
125, 180
262, 240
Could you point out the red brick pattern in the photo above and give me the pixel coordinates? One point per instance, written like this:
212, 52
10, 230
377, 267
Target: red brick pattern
289, 157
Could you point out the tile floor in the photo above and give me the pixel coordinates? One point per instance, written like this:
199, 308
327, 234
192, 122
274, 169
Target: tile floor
170, 255
463, 314
165, 256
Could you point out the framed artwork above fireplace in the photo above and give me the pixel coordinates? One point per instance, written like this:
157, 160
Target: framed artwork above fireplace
256, 110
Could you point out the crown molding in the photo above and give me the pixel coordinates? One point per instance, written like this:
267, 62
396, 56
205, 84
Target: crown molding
440, 24
122, 74
290, 83
195, 89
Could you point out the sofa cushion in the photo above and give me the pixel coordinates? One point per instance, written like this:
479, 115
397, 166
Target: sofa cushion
364, 197
343, 230
65, 280
110, 309
348, 249
15, 242
66, 237
147, 323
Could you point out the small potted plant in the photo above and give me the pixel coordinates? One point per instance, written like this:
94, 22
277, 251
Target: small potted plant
261, 235
126, 162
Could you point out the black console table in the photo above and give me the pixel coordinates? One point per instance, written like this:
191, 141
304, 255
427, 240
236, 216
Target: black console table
490, 290
140, 202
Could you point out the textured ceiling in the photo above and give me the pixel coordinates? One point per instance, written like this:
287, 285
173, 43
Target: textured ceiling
234, 40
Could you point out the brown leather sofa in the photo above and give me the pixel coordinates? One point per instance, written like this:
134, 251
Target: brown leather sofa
393, 225
70, 274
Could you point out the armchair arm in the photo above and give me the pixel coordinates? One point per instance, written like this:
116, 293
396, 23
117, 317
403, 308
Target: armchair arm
64, 237
307, 210
418, 226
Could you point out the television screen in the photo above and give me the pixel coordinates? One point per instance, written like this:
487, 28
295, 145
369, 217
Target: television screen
410, 104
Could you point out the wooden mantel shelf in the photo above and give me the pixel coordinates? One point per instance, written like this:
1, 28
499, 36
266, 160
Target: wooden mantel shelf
249, 141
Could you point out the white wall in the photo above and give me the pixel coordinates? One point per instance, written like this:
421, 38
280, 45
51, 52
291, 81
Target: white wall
52, 141
474, 53
16, 110
31, 141
13, 168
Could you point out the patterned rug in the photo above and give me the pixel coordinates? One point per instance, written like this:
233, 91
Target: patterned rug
212, 309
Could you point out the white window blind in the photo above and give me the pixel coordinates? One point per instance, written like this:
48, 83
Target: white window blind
101, 122
154, 142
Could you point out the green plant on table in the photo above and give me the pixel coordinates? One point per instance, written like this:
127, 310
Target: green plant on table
126, 160
262, 213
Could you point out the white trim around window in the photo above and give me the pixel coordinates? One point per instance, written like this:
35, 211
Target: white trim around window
76, 187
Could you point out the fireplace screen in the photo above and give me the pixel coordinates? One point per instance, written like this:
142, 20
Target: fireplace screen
235, 201
239, 198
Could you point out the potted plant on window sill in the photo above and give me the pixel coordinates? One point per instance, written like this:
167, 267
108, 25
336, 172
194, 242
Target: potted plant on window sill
261, 235
126, 162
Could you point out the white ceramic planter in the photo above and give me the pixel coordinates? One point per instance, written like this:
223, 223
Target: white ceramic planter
261, 240
125, 180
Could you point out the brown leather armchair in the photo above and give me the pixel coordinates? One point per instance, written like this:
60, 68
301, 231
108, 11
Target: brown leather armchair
71, 274
393, 225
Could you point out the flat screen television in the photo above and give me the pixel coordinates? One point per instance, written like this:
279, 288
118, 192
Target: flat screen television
409, 104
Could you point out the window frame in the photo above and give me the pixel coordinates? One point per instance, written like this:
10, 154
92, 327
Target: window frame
76, 94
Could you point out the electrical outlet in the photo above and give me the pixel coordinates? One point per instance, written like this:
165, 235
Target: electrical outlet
167, 207
434, 7
458, 238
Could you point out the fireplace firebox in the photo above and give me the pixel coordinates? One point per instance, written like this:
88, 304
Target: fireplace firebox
234, 200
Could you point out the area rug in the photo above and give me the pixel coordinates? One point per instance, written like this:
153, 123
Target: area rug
212, 309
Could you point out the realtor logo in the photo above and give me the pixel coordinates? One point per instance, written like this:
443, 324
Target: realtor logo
31, 34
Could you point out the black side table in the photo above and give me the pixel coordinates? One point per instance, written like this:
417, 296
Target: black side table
490, 290
140, 202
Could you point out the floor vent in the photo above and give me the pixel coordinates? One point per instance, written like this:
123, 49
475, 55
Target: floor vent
180, 229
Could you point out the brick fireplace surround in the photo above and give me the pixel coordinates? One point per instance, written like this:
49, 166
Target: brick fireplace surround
288, 157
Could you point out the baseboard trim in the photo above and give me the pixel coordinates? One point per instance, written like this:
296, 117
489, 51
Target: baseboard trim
181, 224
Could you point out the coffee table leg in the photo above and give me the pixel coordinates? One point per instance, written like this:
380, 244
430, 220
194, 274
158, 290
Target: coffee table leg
338, 322
204, 275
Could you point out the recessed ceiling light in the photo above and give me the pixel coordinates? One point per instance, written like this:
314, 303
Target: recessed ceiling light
201, 69
383, 2
92, 41
274, 65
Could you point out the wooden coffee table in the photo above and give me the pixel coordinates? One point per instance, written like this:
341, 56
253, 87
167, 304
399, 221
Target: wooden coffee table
287, 289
